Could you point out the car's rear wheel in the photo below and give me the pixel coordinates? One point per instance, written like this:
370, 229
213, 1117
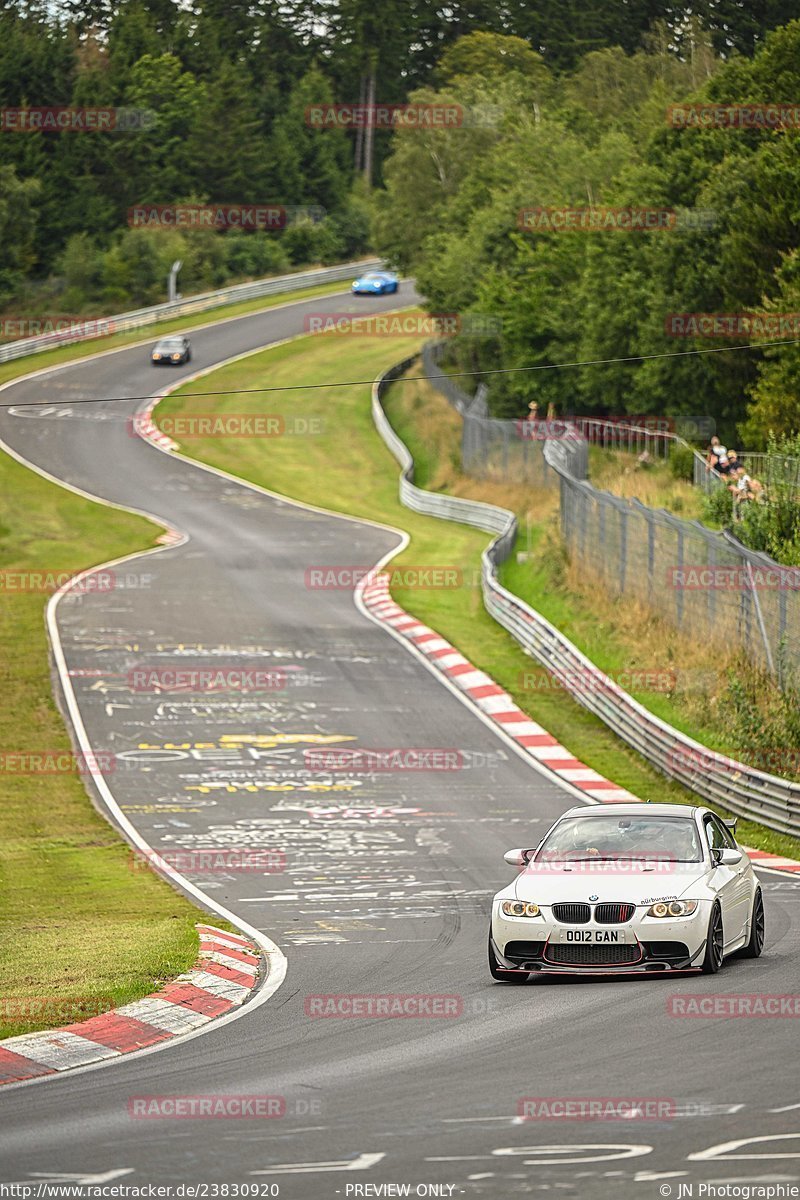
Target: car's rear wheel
715, 944
755, 943
498, 974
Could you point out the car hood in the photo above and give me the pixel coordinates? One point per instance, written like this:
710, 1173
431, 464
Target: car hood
638, 883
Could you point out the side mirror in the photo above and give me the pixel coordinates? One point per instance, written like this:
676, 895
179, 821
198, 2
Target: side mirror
518, 858
726, 857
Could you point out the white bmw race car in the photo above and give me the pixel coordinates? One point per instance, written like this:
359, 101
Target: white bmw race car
627, 888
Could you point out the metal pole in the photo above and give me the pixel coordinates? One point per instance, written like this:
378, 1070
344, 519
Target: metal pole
172, 282
679, 589
760, 617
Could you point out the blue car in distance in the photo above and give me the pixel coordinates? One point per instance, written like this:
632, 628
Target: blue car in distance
375, 283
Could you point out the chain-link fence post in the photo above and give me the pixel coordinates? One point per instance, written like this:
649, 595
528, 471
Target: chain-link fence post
678, 575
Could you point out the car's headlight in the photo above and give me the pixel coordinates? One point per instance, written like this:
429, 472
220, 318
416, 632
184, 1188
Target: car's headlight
156, 356
518, 908
672, 908
176, 357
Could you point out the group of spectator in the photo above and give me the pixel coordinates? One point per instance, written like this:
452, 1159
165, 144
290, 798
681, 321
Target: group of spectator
726, 462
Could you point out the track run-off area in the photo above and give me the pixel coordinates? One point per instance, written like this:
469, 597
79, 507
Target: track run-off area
384, 882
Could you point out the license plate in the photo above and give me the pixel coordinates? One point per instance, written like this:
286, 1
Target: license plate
605, 937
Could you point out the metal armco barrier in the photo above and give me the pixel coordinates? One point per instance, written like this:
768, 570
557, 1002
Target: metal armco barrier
142, 317
451, 508
712, 777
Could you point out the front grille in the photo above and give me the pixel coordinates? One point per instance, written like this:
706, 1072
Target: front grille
572, 914
593, 956
523, 951
613, 914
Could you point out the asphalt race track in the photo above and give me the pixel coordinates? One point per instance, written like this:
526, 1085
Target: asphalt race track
387, 880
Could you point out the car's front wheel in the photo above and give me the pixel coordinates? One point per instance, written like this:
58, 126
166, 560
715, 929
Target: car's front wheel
712, 959
498, 974
755, 943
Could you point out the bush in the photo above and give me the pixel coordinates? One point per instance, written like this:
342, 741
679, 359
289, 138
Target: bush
132, 269
254, 254
773, 526
681, 462
718, 507
352, 225
308, 242
760, 719
138, 264
81, 267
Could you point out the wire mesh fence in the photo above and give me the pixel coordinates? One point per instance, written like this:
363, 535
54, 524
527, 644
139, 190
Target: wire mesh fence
511, 451
716, 778
705, 583
772, 469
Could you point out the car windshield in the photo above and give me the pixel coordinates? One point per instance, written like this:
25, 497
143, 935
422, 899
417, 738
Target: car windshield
170, 344
373, 278
577, 839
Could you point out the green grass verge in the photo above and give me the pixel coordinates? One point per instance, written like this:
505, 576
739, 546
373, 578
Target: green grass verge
348, 469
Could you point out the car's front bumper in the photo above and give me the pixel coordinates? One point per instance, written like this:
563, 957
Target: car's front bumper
648, 945
647, 962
